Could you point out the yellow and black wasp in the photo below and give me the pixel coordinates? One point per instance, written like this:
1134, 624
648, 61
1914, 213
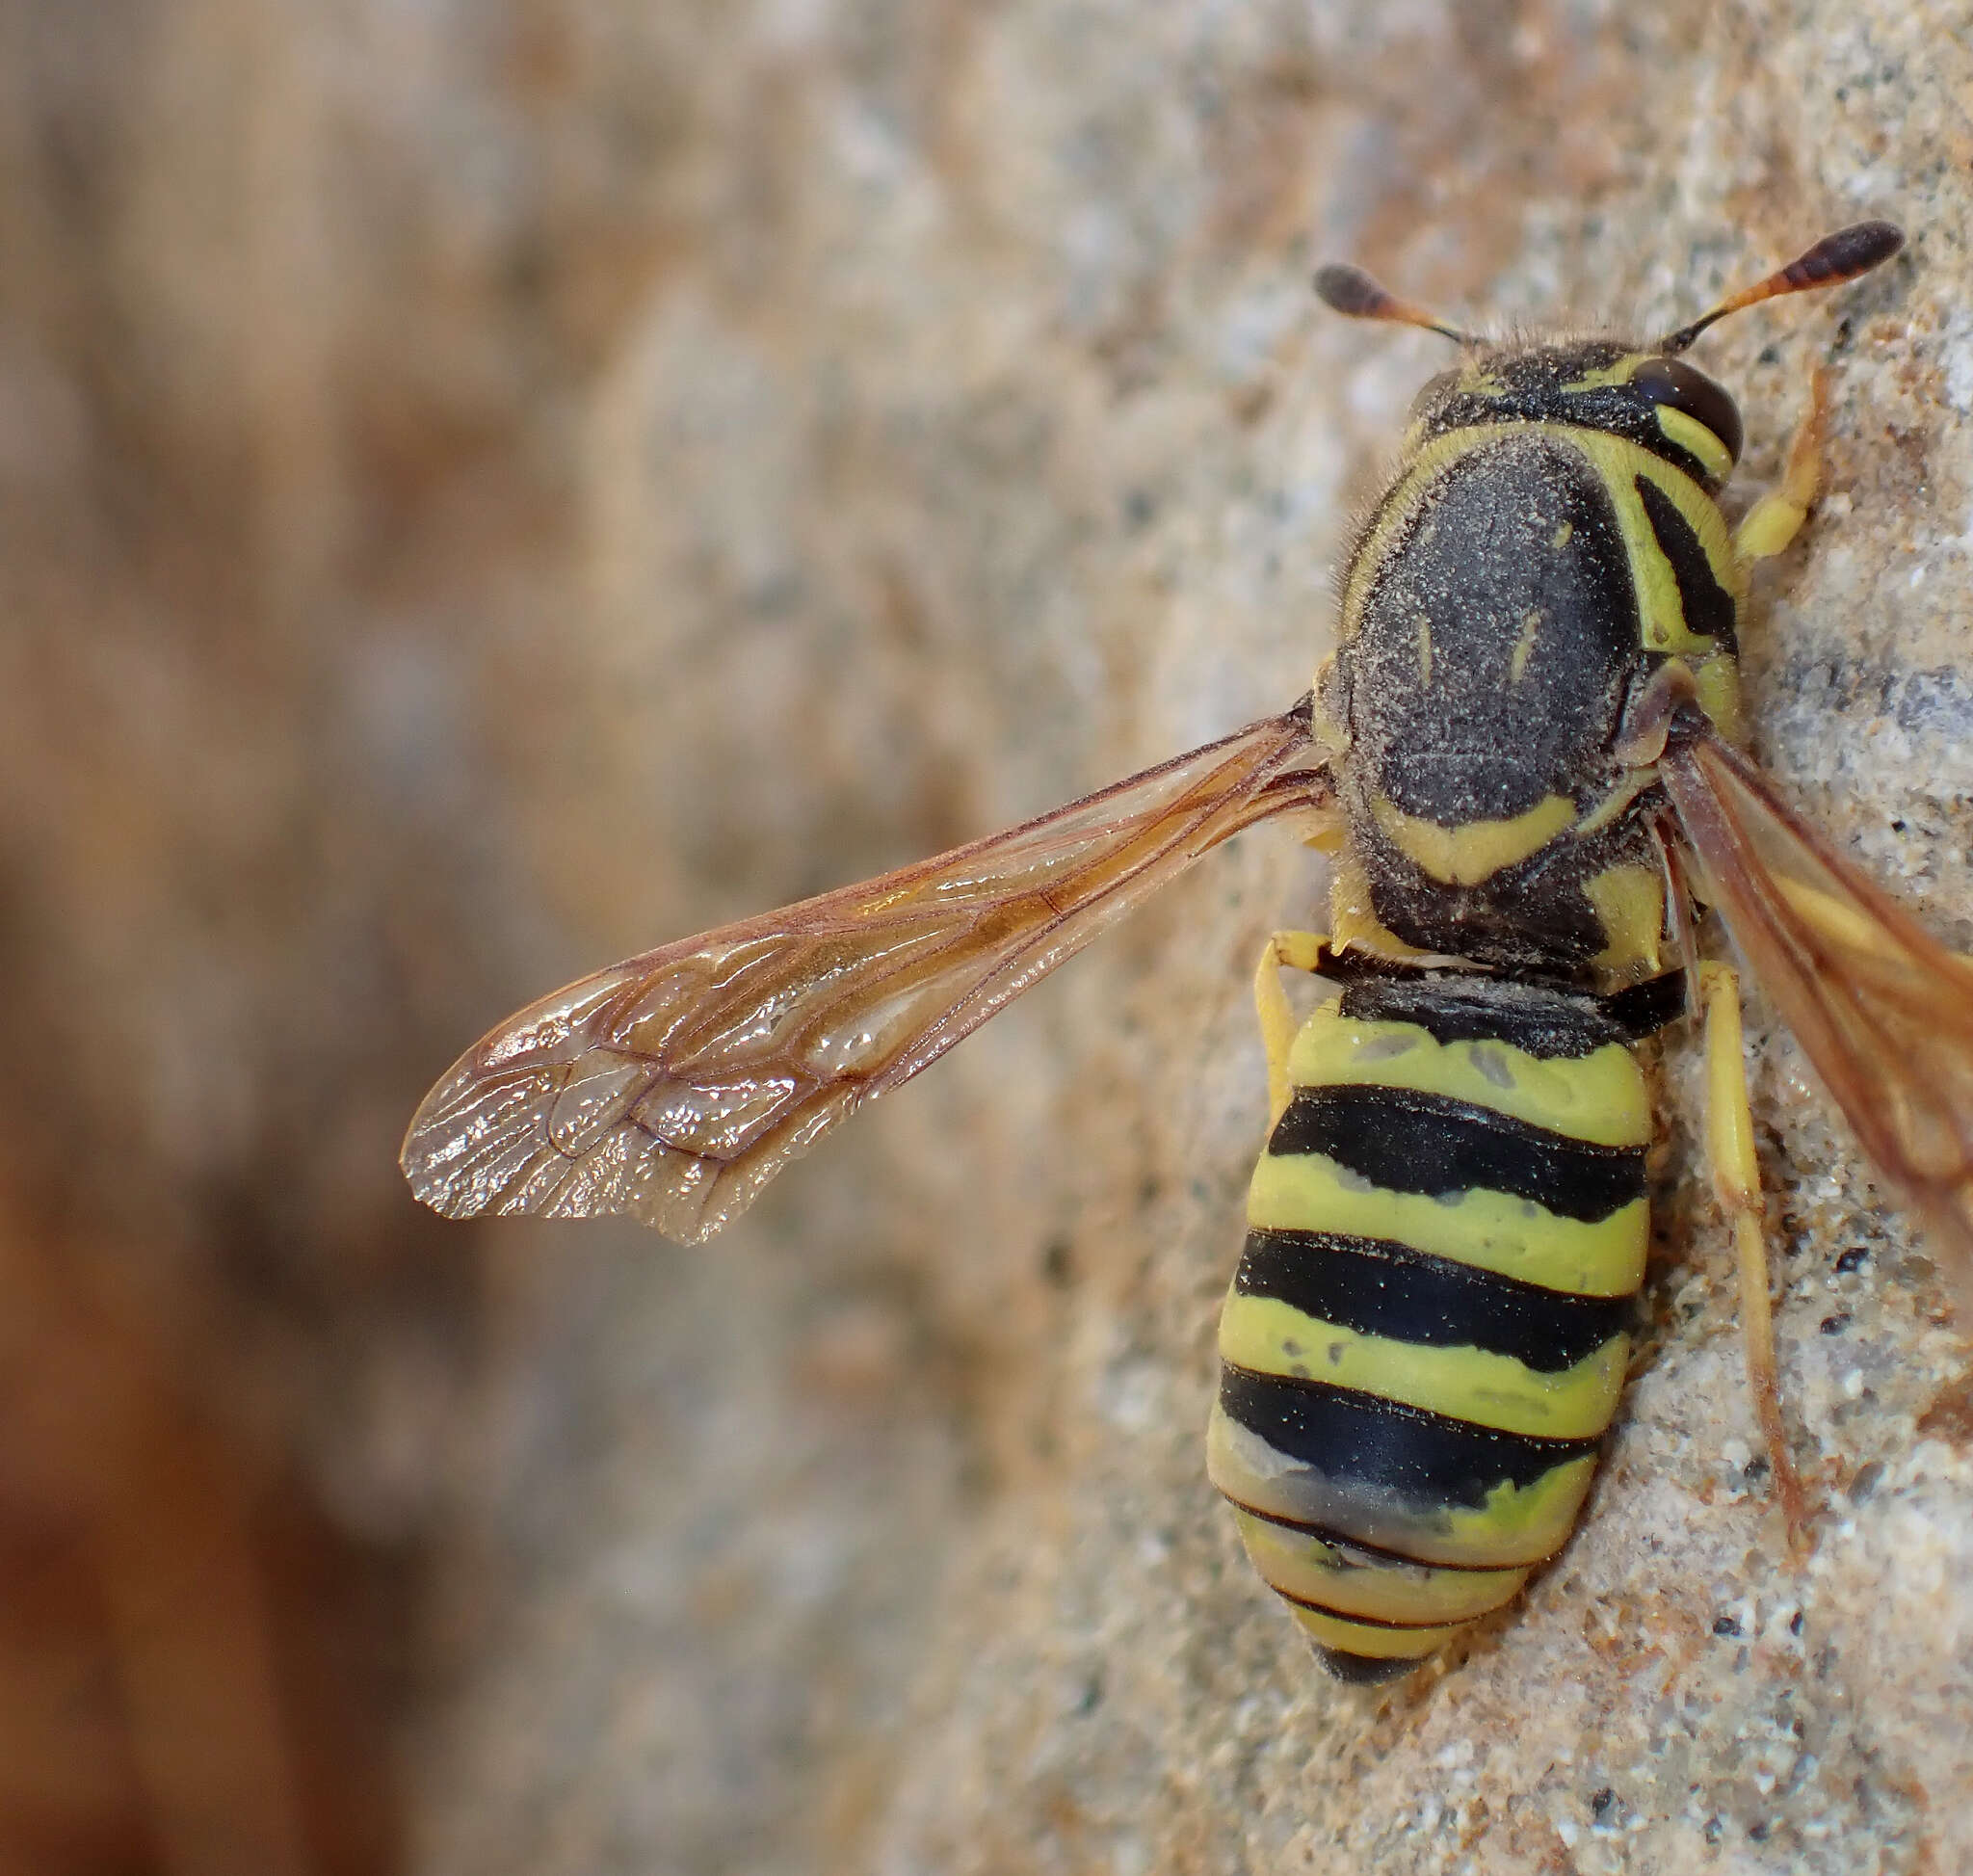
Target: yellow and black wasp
1523, 757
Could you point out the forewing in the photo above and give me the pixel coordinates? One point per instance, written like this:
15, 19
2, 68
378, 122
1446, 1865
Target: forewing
1883, 1011
673, 1085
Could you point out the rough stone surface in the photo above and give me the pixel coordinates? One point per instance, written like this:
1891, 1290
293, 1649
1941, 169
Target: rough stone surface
635, 466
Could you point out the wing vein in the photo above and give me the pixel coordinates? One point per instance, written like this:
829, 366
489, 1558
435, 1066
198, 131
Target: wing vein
674, 1085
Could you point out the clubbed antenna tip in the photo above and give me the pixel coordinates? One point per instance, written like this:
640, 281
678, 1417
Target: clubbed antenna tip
1833, 259
1354, 293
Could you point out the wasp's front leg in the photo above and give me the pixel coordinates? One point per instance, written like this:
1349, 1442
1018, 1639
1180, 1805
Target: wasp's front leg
1776, 519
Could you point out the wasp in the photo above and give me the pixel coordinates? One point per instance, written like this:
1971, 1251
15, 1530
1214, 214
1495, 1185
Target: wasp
1524, 758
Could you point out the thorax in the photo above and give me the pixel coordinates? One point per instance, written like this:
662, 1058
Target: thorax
1513, 592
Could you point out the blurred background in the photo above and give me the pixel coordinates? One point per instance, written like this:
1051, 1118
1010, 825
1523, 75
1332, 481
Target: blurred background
489, 486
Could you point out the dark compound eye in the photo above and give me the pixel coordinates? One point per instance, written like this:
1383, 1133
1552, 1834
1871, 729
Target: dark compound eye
1684, 388
1433, 389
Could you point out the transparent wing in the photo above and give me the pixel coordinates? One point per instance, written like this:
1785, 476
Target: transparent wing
673, 1085
1883, 1011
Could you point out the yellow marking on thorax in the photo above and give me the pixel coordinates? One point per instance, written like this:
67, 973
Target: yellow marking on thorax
1269, 1337
1424, 650
1619, 462
1630, 902
1491, 1230
1634, 784
1600, 1096
1466, 855
1524, 642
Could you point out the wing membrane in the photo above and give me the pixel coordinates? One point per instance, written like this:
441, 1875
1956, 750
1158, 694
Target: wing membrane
675, 1085
1882, 1009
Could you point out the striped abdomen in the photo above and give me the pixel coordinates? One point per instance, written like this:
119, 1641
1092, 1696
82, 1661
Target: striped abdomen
1425, 1338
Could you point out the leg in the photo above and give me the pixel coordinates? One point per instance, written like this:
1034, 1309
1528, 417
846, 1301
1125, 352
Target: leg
1774, 520
1285, 951
1737, 1183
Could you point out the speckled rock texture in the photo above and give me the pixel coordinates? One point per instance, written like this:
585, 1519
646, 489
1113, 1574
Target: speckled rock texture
638, 464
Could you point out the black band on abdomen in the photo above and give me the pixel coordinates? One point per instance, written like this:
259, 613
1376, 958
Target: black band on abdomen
1452, 1007
1404, 1141
1376, 1287
1359, 1439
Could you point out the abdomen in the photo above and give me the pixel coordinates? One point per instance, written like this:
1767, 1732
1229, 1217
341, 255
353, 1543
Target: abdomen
1427, 1334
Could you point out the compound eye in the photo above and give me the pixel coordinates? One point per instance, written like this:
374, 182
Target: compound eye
1684, 388
1433, 389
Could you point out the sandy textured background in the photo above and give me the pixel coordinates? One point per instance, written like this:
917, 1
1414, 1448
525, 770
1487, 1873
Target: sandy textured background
484, 487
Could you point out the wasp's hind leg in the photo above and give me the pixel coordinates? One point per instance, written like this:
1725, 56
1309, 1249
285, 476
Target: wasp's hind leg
1284, 951
1737, 1184
1776, 519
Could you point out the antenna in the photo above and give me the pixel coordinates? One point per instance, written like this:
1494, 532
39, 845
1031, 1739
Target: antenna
1833, 259
1352, 292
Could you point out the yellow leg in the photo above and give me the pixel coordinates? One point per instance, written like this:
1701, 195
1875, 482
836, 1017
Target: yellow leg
1284, 951
1737, 1183
1776, 519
